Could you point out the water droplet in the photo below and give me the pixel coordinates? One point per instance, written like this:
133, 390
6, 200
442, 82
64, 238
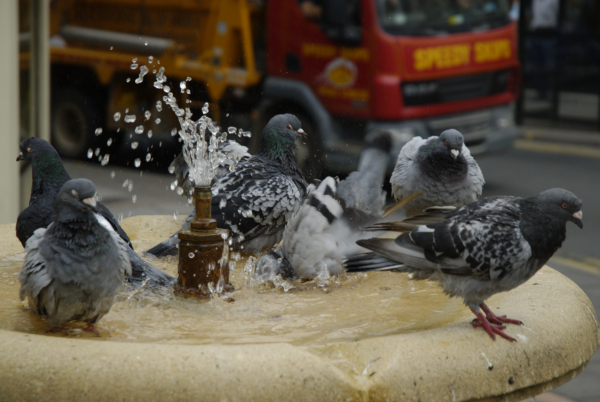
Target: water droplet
223, 236
109, 142
150, 59
158, 105
231, 130
125, 183
134, 66
171, 169
111, 48
157, 121
188, 79
191, 255
230, 241
129, 118
174, 216
127, 110
98, 131
205, 108
166, 88
247, 134
134, 145
120, 218
160, 144
137, 162
148, 157
149, 133
128, 80
134, 60
188, 92
134, 198
179, 190
97, 152
117, 116
147, 114
222, 203
143, 72
130, 186
190, 200
105, 160
139, 129
112, 174
173, 132
145, 43
90, 153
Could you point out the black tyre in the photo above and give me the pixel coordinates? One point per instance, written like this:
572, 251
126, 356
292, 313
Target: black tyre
309, 152
75, 117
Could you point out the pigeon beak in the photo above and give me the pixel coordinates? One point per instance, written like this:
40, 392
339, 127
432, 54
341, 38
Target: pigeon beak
301, 133
454, 153
578, 215
20, 157
89, 201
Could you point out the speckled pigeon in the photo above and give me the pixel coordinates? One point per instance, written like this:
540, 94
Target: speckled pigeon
438, 171
235, 153
47, 177
327, 225
255, 200
74, 269
489, 246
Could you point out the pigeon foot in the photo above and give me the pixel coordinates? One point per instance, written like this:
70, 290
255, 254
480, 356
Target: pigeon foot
92, 328
492, 329
499, 320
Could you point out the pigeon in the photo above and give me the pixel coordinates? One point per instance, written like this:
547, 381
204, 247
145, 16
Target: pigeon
438, 171
256, 198
326, 227
74, 269
489, 246
47, 177
235, 153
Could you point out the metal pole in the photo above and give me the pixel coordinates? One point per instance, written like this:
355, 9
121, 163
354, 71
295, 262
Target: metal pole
39, 69
9, 109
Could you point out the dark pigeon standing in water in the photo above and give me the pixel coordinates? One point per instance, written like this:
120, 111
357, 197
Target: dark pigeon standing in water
255, 200
437, 171
324, 230
75, 268
47, 177
489, 246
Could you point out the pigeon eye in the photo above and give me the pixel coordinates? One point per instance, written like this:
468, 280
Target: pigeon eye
74, 193
564, 205
29, 149
289, 127
446, 142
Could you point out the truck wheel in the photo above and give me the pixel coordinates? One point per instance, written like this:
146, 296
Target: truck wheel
75, 117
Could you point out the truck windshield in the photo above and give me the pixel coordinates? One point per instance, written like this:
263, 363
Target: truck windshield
438, 17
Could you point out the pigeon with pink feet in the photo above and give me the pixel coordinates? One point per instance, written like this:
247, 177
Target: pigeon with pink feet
489, 246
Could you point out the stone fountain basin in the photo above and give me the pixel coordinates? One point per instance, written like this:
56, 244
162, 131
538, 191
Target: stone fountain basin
451, 362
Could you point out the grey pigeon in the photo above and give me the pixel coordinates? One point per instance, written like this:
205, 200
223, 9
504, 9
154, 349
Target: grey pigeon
363, 189
255, 200
235, 154
324, 230
438, 171
489, 246
48, 174
75, 268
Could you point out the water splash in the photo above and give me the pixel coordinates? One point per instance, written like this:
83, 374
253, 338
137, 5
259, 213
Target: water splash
130, 118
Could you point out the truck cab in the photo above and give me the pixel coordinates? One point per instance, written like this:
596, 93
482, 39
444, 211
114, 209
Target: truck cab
413, 67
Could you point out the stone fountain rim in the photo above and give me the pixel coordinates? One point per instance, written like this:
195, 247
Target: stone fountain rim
438, 364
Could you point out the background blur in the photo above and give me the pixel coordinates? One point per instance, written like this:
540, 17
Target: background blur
520, 80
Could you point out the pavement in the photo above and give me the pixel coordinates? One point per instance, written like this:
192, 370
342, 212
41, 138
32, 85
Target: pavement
545, 155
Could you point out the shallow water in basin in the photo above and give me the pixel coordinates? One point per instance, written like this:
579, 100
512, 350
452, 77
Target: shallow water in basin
343, 308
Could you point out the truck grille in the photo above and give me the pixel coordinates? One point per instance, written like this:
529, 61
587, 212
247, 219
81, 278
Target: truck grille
474, 126
453, 89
